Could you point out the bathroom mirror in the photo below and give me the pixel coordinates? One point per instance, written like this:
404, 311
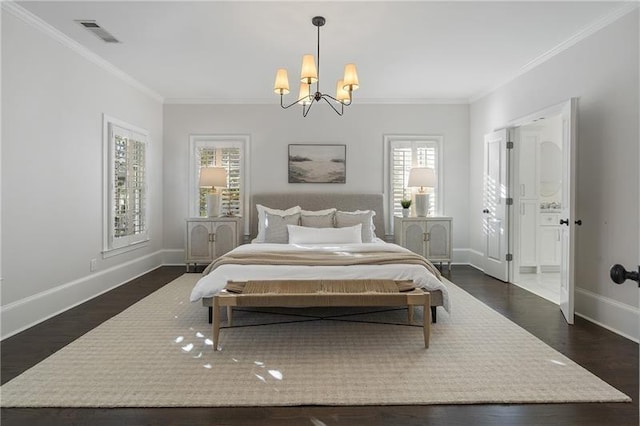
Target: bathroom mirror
550, 169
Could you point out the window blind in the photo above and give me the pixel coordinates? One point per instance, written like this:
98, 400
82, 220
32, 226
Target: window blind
231, 159
127, 200
404, 156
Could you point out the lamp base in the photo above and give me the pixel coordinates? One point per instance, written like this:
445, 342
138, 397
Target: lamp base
422, 204
213, 204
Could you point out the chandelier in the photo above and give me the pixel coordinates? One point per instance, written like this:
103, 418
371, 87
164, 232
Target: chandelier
310, 74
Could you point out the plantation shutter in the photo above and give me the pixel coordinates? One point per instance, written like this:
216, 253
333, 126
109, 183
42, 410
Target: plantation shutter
128, 188
231, 159
404, 156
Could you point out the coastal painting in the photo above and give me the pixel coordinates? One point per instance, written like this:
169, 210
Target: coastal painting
317, 163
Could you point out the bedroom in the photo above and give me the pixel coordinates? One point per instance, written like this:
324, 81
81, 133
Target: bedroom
58, 221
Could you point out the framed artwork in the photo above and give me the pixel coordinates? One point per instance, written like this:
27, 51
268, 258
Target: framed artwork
317, 163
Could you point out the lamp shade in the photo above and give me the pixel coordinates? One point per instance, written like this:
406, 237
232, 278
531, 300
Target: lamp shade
309, 73
421, 177
281, 85
304, 96
341, 94
350, 77
213, 176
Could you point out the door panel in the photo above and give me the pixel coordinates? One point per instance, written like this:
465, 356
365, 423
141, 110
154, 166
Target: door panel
568, 212
496, 163
199, 241
438, 240
414, 234
224, 240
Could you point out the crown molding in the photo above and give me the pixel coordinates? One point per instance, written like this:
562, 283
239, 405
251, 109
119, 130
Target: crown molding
218, 101
571, 41
36, 22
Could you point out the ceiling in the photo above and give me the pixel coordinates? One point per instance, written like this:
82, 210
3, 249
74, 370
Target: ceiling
406, 52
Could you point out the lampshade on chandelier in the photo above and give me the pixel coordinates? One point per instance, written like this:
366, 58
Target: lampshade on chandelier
310, 74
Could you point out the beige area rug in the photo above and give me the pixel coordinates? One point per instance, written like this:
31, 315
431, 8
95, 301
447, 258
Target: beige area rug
159, 353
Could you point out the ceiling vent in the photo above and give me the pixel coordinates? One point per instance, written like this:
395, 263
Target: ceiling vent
98, 30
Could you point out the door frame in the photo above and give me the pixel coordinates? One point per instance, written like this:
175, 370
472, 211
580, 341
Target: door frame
553, 110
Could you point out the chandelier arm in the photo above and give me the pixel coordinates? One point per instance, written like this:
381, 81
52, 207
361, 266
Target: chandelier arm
305, 112
344, 104
331, 105
292, 103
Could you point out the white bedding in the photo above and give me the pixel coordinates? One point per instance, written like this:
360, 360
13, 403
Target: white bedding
215, 281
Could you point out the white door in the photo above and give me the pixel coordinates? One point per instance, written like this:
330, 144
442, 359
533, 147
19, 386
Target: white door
495, 211
568, 219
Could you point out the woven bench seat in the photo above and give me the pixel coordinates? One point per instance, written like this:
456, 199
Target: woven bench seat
320, 293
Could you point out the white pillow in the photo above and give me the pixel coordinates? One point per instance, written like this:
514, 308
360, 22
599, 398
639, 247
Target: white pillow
305, 235
317, 212
262, 215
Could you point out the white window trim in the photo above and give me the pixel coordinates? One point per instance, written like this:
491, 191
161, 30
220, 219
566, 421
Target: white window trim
241, 141
107, 188
388, 141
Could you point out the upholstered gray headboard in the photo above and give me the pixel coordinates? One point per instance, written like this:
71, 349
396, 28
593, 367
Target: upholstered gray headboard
319, 201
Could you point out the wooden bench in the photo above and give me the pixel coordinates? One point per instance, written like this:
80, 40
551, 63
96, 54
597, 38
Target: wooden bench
320, 293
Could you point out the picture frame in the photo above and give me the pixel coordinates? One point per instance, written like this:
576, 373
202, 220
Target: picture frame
317, 163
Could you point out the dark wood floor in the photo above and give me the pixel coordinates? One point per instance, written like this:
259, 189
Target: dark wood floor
611, 357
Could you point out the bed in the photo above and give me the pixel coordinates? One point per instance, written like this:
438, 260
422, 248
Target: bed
343, 260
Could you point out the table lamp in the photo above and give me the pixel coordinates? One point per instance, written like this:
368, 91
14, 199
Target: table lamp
421, 177
210, 177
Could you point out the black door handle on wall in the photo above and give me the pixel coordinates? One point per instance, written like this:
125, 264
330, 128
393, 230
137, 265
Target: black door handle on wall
619, 274
564, 222
578, 222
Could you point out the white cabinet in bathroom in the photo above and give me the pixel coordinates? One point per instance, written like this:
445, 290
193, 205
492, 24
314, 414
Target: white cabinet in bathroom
549, 242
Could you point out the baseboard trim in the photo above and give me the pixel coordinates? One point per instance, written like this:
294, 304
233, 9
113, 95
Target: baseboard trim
476, 259
615, 316
25, 313
460, 256
173, 257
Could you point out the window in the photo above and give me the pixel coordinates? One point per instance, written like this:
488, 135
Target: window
401, 154
126, 192
230, 152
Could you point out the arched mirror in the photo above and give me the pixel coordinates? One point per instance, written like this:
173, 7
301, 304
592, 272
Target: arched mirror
550, 169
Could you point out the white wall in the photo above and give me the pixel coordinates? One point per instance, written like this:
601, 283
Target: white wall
602, 71
52, 104
361, 128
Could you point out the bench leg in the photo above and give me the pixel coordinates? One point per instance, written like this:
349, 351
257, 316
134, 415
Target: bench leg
229, 316
410, 314
433, 314
216, 322
210, 314
426, 326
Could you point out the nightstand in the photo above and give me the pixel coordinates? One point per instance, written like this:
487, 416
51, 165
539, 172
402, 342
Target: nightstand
210, 237
427, 236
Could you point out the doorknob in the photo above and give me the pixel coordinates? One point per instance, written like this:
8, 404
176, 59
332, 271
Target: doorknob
564, 222
619, 274
485, 211
578, 222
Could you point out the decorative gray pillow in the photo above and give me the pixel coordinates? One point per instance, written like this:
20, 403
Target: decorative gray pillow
364, 217
317, 221
276, 227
